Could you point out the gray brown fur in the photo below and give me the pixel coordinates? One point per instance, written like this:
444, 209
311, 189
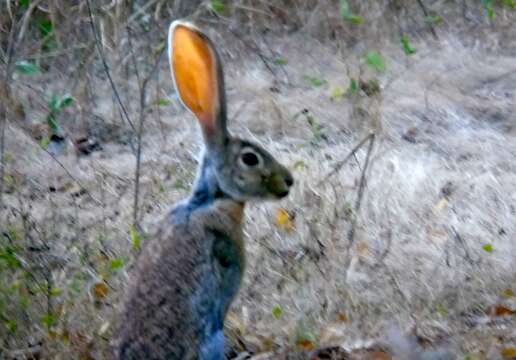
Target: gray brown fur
158, 322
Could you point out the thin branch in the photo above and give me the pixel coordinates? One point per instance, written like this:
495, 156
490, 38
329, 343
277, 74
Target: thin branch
358, 203
3, 125
256, 50
142, 115
360, 195
106, 69
26, 18
464, 246
272, 52
341, 163
425, 11
5, 94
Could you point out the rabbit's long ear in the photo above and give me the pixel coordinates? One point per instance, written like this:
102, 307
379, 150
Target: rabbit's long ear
197, 74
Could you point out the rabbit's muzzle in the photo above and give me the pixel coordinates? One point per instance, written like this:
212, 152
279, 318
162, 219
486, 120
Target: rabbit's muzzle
279, 183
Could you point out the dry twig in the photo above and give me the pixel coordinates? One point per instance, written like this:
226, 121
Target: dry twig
341, 163
108, 73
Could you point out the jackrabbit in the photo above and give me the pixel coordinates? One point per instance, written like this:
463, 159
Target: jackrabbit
188, 275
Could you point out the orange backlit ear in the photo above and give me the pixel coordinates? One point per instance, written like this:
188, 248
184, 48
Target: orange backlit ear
194, 66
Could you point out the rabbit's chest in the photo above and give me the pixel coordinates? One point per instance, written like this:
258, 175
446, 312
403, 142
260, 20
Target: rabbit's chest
227, 260
219, 282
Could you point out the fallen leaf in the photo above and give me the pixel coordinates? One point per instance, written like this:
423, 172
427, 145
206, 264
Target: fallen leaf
500, 310
267, 344
441, 204
104, 328
285, 220
342, 317
337, 92
305, 344
362, 248
508, 353
100, 290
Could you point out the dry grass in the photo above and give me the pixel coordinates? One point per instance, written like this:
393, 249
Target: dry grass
441, 184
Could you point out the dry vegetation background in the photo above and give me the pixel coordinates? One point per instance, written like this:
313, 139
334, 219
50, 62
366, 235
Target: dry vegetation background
406, 243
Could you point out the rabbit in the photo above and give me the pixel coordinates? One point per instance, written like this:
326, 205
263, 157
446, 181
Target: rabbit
189, 273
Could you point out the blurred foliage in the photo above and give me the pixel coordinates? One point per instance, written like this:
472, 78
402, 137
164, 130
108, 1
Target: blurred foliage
348, 15
407, 47
375, 60
26, 67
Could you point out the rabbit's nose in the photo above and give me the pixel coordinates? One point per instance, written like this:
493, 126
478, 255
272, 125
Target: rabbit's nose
289, 180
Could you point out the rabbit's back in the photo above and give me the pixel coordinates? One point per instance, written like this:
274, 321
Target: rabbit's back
184, 283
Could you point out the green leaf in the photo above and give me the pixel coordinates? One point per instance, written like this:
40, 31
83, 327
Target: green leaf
353, 87
59, 103
44, 142
12, 231
280, 61
116, 263
163, 102
315, 81
510, 3
375, 60
344, 9
277, 311
347, 14
488, 5
317, 129
11, 325
24, 3
52, 123
65, 101
407, 47
45, 27
26, 68
48, 320
217, 6
136, 239
488, 248
77, 283
53, 103
55, 291
442, 310
8, 255
337, 92
159, 48
355, 19
24, 301
434, 19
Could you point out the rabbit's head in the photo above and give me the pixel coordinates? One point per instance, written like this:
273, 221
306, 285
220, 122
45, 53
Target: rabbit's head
243, 170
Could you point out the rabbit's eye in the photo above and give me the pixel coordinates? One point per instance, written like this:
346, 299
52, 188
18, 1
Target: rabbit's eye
250, 159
